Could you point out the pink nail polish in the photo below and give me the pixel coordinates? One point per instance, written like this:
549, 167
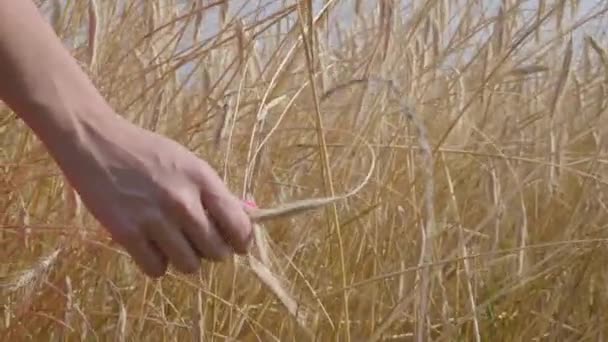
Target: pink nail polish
250, 204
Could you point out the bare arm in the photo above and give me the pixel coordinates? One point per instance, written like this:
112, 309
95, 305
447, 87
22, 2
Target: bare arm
39, 79
157, 199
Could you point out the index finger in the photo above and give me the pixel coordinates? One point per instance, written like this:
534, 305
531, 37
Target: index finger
231, 219
226, 210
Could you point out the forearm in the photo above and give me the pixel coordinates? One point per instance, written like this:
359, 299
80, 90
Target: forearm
39, 80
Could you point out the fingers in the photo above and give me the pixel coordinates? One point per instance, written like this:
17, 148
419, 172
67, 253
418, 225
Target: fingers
203, 233
232, 221
171, 241
225, 209
146, 254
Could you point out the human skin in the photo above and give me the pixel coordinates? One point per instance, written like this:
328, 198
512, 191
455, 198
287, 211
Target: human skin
155, 198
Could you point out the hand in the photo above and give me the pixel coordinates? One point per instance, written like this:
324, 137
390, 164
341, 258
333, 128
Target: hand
156, 198
153, 196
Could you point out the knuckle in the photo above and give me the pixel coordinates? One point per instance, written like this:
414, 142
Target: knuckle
178, 198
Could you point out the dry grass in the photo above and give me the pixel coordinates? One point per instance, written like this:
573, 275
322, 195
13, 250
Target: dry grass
484, 215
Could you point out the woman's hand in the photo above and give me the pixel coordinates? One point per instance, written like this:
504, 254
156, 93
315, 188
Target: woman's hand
156, 198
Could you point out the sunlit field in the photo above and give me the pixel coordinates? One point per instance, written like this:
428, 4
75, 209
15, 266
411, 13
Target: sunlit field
467, 141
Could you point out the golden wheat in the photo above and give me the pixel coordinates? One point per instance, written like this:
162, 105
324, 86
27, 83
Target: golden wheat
459, 148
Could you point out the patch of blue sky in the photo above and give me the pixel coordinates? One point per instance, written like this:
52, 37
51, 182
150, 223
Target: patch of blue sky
250, 11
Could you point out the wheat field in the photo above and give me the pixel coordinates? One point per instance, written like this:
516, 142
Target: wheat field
470, 137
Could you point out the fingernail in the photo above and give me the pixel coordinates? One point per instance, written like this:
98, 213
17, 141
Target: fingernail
250, 204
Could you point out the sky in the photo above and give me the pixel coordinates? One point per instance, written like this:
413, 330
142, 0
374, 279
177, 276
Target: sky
251, 10
342, 12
